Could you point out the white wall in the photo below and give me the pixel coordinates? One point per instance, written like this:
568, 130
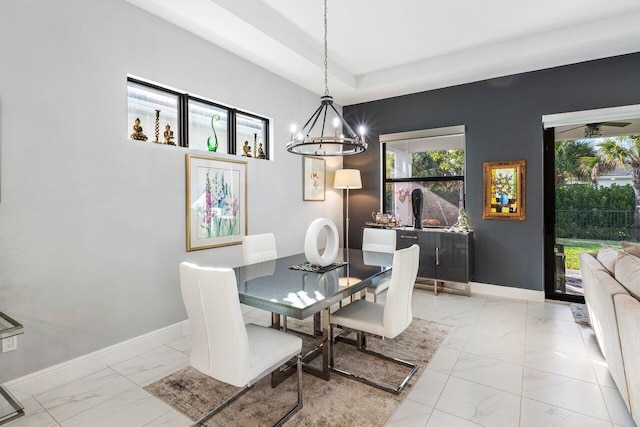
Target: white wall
92, 225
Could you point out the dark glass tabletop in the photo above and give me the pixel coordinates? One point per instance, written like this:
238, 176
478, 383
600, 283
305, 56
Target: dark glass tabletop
275, 287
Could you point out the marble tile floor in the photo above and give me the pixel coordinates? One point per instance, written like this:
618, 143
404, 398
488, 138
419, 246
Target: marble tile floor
507, 362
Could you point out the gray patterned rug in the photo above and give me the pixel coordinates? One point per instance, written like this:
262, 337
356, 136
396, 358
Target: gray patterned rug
338, 402
580, 313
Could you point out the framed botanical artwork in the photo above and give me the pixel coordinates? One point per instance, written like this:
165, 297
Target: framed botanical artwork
313, 178
216, 202
504, 190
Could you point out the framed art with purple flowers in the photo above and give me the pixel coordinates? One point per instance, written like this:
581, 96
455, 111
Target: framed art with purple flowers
216, 202
504, 190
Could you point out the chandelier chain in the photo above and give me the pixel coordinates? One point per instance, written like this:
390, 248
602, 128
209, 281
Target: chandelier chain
326, 78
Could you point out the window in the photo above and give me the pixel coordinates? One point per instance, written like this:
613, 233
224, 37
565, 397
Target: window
208, 126
251, 134
152, 109
167, 116
431, 161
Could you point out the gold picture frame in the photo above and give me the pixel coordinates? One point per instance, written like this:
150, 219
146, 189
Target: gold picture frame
314, 178
216, 202
504, 185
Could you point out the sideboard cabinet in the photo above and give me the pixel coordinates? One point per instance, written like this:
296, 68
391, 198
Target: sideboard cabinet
445, 256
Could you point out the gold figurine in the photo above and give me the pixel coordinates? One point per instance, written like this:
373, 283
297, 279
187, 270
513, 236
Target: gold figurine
137, 131
246, 150
168, 135
261, 154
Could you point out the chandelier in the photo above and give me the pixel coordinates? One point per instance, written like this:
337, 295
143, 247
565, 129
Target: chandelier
339, 141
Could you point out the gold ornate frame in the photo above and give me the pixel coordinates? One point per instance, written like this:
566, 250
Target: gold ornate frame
504, 186
221, 218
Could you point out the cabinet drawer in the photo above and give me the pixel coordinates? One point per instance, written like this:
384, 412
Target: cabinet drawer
406, 238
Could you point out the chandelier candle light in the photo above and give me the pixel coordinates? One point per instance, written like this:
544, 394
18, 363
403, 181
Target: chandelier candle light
328, 143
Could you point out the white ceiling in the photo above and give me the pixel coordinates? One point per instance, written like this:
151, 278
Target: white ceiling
379, 49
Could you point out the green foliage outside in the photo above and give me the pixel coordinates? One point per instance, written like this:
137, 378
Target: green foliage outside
426, 164
438, 163
587, 212
588, 197
574, 247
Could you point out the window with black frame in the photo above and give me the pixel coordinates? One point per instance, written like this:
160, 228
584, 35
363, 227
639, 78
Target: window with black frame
168, 116
434, 165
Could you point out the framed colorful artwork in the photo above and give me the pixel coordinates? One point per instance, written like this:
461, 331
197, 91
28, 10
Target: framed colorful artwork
313, 178
504, 190
216, 202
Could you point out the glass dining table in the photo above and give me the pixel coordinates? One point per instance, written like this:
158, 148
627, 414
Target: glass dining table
275, 287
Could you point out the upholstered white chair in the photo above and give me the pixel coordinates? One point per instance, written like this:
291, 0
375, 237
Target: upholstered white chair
223, 347
386, 320
259, 248
383, 241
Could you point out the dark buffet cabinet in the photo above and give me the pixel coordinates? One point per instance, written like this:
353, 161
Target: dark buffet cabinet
444, 255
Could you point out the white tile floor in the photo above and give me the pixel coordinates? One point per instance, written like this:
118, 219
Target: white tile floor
506, 363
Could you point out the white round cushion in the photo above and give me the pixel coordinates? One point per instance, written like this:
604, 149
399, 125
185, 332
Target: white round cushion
311, 242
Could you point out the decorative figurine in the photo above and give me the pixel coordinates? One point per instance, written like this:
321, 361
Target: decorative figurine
168, 135
246, 150
416, 207
261, 154
462, 224
137, 131
255, 143
157, 127
213, 147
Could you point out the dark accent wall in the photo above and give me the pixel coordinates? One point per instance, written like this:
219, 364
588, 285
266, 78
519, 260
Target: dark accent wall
503, 119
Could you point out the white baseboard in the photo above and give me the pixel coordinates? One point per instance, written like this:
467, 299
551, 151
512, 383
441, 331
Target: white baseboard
54, 376
506, 292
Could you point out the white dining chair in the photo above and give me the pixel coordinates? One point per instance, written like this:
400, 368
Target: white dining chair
383, 241
223, 347
258, 248
386, 320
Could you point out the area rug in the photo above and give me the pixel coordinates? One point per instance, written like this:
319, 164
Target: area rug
580, 313
338, 402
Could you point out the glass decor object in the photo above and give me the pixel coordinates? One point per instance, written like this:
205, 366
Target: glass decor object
208, 126
251, 131
150, 111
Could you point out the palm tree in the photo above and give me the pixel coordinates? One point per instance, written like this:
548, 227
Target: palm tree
573, 159
622, 152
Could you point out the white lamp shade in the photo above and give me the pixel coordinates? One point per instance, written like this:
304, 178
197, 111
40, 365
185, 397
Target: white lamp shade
347, 179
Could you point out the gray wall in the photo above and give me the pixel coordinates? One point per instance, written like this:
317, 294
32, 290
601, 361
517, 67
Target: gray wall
503, 122
92, 224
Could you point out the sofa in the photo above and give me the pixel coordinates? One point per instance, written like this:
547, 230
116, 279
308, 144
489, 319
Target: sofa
611, 282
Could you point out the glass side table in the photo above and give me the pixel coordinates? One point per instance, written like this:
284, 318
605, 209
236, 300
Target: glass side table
10, 408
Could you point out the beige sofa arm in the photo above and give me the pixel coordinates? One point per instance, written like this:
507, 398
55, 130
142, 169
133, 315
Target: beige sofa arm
628, 313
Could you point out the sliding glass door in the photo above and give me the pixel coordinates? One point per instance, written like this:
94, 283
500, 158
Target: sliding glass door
591, 197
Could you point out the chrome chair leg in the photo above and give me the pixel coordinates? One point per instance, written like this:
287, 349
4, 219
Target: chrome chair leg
300, 403
361, 344
243, 390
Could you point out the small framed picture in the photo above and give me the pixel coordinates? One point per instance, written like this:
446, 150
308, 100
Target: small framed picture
313, 178
216, 202
504, 190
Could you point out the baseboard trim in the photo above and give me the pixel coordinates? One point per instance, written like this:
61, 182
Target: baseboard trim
506, 292
62, 373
